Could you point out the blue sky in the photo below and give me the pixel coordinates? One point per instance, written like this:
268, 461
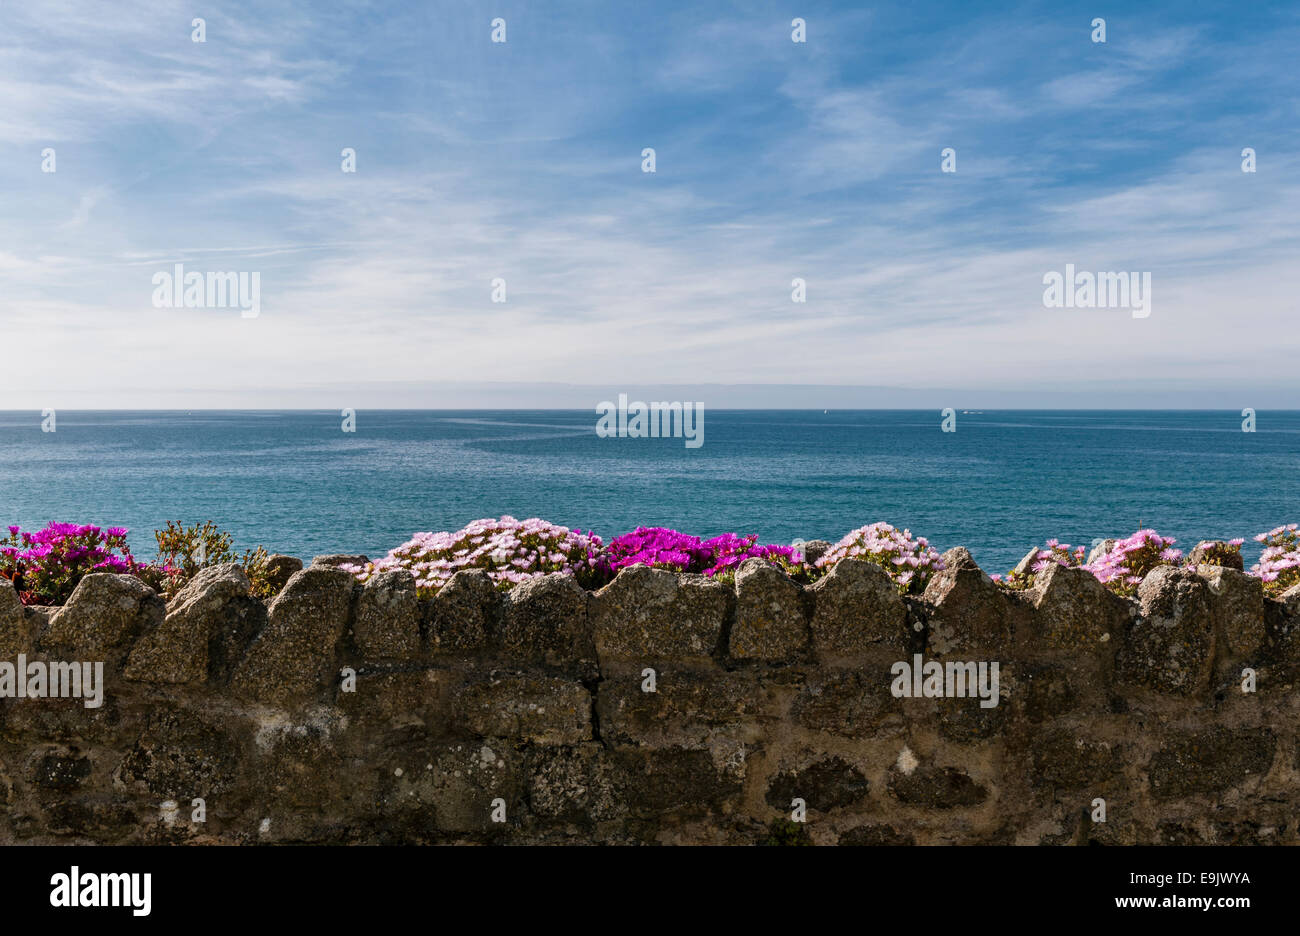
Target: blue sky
522, 160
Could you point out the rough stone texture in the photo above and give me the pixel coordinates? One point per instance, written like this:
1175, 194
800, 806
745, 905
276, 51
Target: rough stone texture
1237, 601
213, 607
334, 560
1291, 600
675, 781
545, 620
1026, 565
1069, 760
687, 708
770, 621
936, 788
538, 709
464, 782
387, 625
292, 659
579, 785
857, 609
1200, 555
15, 634
1210, 761
875, 835
505, 719
1074, 610
970, 612
279, 569
845, 703
813, 550
1170, 646
827, 784
465, 613
105, 614
182, 754
647, 614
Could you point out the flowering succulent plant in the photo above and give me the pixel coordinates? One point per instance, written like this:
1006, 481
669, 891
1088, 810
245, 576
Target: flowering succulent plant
1219, 553
909, 562
1056, 552
45, 566
1279, 564
509, 550
680, 552
1126, 563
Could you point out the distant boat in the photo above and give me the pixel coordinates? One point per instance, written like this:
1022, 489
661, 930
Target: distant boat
825, 411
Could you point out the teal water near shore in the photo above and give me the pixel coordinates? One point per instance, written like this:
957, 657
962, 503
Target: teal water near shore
1004, 481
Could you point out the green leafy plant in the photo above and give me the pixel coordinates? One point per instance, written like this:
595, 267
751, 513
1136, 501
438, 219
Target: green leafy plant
186, 550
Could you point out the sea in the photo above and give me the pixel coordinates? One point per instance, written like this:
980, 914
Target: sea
1001, 482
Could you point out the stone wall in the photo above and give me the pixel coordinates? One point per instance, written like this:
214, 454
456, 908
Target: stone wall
338, 713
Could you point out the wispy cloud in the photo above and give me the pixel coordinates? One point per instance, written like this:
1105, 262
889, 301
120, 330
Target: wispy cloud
522, 161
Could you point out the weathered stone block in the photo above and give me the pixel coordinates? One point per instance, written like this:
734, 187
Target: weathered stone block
211, 604
466, 612
857, 609
676, 780
1237, 602
1210, 761
102, 619
399, 698
970, 612
544, 620
1074, 610
686, 708
579, 785
181, 755
464, 781
293, 658
387, 624
813, 550
935, 787
1067, 760
851, 703
770, 622
279, 569
539, 709
826, 784
1047, 692
1207, 550
647, 615
1170, 647
58, 769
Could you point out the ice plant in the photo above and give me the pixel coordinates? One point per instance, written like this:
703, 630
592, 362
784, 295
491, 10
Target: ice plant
909, 562
662, 548
46, 566
1125, 564
510, 551
1279, 564
1055, 552
1219, 553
